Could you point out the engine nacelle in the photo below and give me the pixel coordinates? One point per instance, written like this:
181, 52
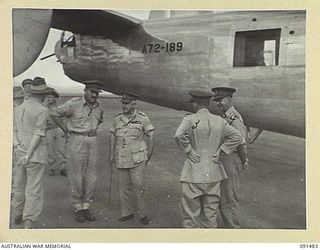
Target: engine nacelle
30, 32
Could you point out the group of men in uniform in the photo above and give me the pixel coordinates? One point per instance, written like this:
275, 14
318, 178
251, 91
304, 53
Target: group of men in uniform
214, 146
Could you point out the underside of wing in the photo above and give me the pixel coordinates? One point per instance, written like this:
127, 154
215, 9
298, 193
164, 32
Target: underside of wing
31, 28
122, 29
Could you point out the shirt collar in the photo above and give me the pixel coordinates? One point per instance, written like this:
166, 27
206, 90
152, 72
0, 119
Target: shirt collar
34, 100
130, 117
229, 111
52, 106
133, 115
84, 103
203, 110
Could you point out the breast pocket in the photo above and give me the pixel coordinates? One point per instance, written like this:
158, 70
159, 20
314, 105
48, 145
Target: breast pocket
79, 118
120, 131
135, 130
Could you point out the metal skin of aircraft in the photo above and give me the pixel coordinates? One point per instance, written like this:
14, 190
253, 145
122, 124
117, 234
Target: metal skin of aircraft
259, 53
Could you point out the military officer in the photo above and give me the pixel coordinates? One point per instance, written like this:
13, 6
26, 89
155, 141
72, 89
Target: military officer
56, 139
131, 147
29, 141
82, 118
18, 97
201, 136
230, 194
26, 83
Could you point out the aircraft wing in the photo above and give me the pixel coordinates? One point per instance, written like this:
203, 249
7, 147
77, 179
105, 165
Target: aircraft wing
30, 24
120, 28
92, 22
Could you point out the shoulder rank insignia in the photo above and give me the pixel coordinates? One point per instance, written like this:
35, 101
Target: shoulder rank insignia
196, 124
233, 116
136, 122
77, 98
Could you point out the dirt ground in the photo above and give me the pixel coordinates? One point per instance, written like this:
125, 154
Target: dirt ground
272, 190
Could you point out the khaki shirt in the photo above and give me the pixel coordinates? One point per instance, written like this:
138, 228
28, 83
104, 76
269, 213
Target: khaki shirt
51, 124
206, 134
232, 163
233, 117
130, 145
30, 119
80, 117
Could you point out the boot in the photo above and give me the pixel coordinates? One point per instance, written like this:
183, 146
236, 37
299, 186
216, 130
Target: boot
88, 215
28, 224
18, 219
63, 172
80, 216
52, 172
144, 220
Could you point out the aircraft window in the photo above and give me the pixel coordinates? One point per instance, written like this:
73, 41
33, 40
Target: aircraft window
67, 39
257, 48
70, 42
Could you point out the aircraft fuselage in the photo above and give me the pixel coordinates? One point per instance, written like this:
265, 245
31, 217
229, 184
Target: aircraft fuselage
260, 53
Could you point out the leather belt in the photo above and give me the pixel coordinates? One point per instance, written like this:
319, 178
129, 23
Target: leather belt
92, 133
49, 128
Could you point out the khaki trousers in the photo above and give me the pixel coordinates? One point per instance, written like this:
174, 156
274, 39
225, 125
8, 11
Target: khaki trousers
199, 204
230, 189
28, 195
132, 182
81, 162
56, 148
13, 174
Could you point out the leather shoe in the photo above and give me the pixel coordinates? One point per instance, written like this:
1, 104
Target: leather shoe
63, 172
88, 216
18, 219
144, 220
52, 172
28, 224
80, 216
125, 218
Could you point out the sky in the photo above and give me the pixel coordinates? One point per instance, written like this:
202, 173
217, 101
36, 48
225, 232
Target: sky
52, 70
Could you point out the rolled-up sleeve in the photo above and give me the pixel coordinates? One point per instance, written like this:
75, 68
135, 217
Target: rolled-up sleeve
239, 125
147, 126
232, 139
182, 135
113, 127
65, 110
